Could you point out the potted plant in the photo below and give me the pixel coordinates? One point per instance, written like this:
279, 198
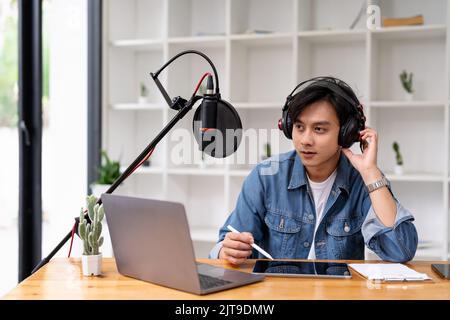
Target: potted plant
143, 93
406, 79
90, 233
398, 169
267, 152
108, 171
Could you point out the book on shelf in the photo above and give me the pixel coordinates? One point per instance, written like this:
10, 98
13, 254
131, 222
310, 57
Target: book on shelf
406, 21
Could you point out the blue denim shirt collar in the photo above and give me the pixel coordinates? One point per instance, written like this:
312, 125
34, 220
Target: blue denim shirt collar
299, 179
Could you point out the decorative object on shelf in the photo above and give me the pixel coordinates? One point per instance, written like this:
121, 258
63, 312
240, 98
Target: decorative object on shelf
267, 152
90, 234
398, 169
407, 21
109, 171
407, 83
143, 93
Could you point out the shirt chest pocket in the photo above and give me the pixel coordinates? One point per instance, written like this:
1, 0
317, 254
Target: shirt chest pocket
339, 228
283, 233
345, 238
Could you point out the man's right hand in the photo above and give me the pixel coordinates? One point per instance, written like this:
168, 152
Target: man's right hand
236, 247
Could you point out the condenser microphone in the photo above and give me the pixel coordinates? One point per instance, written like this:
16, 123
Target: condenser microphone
216, 125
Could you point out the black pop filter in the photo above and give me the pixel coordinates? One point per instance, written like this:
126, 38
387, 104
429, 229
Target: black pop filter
223, 140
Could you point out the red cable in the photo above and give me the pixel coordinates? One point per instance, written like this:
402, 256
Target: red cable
200, 82
140, 163
71, 241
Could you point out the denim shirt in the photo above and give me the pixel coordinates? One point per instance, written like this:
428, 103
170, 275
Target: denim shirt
276, 205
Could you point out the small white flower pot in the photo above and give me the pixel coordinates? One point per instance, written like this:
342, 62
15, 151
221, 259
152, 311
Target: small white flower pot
142, 100
99, 189
409, 96
398, 169
91, 264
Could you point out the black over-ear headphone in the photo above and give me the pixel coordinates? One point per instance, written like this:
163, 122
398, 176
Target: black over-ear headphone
349, 132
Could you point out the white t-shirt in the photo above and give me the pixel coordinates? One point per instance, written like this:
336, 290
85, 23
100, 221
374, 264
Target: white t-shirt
320, 191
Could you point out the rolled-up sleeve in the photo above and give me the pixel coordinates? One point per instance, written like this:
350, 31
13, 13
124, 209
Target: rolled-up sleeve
246, 217
395, 244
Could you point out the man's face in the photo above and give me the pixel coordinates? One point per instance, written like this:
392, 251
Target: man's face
315, 134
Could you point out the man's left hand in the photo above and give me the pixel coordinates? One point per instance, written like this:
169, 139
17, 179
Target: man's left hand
365, 163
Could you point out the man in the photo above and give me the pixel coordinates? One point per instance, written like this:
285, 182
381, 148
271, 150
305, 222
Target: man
323, 201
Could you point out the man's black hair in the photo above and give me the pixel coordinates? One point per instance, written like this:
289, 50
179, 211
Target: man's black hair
321, 91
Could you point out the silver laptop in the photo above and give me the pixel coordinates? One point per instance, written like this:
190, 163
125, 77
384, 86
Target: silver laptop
151, 242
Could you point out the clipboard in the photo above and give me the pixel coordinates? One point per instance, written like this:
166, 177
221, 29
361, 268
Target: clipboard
389, 272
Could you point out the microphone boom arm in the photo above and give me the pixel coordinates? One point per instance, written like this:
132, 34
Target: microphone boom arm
183, 106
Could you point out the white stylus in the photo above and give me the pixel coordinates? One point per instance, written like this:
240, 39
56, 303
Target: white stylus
253, 245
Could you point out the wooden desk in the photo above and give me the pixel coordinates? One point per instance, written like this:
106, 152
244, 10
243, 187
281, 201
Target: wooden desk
62, 279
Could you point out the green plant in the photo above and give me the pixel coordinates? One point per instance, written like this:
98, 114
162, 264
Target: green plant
90, 233
144, 90
398, 155
268, 150
406, 80
109, 170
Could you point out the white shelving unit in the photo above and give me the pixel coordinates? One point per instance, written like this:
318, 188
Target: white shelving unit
262, 49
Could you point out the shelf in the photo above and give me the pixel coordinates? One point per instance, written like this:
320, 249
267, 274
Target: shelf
199, 41
407, 104
207, 234
328, 36
262, 49
389, 176
420, 177
262, 39
257, 105
137, 106
189, 18
145, 170
138, 44
240, 172
196, 171
410, 32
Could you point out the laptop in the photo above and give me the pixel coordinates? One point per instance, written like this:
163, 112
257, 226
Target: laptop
151, 242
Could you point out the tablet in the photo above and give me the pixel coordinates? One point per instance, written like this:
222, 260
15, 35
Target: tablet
285, 268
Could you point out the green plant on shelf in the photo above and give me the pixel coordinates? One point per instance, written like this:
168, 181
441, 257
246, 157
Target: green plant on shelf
407, 81
144, 90
398, 155
268, 150
109, 170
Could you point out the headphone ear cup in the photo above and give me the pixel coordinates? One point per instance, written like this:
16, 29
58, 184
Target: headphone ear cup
349, 133
287, 125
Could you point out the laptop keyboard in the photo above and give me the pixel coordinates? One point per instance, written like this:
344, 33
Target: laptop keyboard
207, 282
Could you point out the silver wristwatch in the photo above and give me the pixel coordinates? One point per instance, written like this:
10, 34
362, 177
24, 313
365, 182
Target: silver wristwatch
378, 184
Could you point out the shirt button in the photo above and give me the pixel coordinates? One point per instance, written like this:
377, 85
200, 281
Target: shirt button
347, 229
311, 217
306, 244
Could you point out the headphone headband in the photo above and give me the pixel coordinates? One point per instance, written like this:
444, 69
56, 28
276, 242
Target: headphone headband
325, 82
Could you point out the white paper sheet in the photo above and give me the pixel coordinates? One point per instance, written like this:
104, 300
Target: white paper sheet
388, 272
